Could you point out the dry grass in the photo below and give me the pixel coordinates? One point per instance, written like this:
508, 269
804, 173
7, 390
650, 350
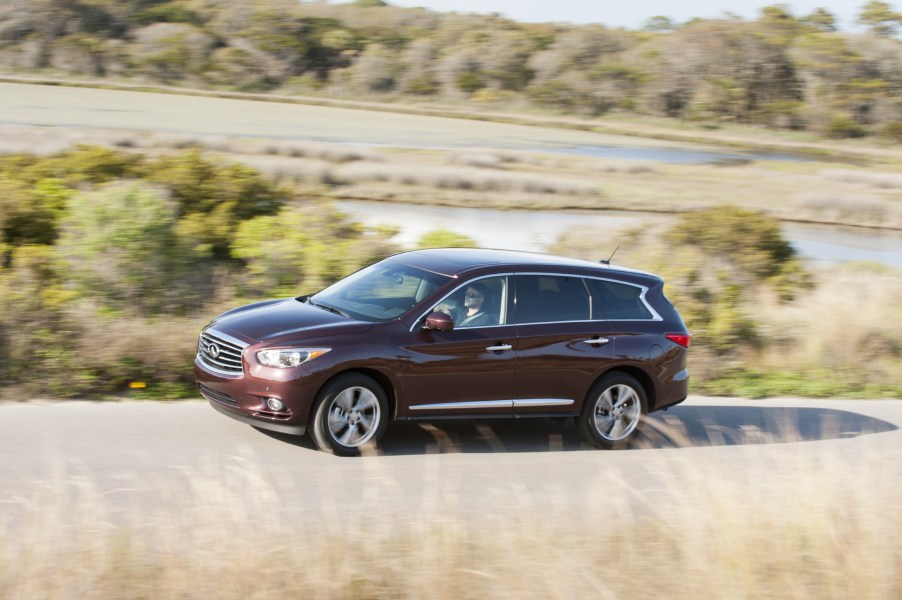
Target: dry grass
405, 175
865, 196
832, 207
289, 170
476, 158
464, 178
851, 321
795, 525
890, 181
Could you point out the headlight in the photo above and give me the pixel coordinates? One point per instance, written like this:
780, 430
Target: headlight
288, 357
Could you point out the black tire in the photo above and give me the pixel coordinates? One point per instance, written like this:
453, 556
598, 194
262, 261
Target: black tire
615, 412
350, 413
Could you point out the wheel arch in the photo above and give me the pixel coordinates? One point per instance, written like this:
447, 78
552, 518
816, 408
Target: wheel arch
644, 379
383, 380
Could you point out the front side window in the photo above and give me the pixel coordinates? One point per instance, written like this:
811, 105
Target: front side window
552, 299
618, 301
380, 292
479, 303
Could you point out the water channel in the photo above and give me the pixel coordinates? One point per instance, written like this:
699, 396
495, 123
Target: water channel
536, 230
86, 109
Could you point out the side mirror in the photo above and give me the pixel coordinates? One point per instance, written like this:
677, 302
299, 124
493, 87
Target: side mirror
439, 321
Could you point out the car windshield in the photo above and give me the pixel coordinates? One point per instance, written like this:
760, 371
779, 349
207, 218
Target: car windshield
380, 292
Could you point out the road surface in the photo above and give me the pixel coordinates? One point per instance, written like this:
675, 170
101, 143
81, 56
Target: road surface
86, 109
134, 455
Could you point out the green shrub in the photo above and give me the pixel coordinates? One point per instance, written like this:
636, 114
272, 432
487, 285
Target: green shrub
553, 94
442, 238
892, 131
470, 81
303, 249
424, 85
29, 214
167, 12
842, 126
33, 310
118, 245
213, 198
750, 244
83, 164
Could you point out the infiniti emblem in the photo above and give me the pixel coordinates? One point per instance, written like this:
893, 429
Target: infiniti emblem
213, 351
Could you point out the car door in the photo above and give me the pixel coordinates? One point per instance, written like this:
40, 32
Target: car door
561, 348
470, 369
634, 323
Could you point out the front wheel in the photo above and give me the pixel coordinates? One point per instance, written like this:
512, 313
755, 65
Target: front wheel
350, 413
614, 412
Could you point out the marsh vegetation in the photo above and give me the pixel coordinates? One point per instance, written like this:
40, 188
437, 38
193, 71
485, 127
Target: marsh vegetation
145, 238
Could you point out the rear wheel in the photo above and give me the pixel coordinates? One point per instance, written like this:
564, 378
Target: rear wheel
350, 413
614, 412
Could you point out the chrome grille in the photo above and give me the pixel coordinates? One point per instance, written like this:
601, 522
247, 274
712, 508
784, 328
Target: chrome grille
219, 353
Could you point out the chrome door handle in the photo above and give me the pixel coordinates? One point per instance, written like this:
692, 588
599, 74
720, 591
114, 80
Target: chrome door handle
499, 348
597, 341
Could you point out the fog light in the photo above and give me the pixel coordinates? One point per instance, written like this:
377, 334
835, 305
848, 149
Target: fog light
274, 404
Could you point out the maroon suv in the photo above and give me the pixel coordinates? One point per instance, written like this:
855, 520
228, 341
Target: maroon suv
452, 333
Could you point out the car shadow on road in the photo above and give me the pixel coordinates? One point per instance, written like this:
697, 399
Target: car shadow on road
682, 426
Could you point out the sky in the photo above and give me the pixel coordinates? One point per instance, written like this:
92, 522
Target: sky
632, 14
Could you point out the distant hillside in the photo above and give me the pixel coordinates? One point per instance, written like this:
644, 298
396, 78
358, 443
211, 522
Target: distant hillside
780, 70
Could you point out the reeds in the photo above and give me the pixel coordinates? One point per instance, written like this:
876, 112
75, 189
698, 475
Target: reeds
849, 324
462, 178
886, 181
831, 207
507, 178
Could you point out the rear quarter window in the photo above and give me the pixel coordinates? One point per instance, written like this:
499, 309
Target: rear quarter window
618, 301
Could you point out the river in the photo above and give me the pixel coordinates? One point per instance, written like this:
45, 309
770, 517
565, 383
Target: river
533, 230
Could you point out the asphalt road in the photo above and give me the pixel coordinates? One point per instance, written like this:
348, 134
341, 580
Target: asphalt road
87, 109
134, 455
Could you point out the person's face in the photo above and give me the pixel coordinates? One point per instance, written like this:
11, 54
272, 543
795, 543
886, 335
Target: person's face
473, 299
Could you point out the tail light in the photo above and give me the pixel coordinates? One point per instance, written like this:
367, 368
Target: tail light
683, 339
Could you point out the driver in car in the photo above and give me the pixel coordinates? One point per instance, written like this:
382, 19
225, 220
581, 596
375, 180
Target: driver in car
474, 300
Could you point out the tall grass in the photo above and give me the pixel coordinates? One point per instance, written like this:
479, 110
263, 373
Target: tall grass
887, 181
849, 327
793, 524
830, 207
502, 179
287, 170
463, 178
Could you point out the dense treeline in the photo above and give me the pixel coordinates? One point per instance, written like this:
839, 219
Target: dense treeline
779, 70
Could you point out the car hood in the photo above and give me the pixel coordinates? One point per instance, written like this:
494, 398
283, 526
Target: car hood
265, 321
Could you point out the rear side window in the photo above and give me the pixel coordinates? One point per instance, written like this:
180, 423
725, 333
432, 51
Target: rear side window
618, 301
551, 299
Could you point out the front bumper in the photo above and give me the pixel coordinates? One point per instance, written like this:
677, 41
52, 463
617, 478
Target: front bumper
243, 398
257, 422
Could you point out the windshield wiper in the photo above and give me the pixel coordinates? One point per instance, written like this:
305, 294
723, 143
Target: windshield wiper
331, 309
